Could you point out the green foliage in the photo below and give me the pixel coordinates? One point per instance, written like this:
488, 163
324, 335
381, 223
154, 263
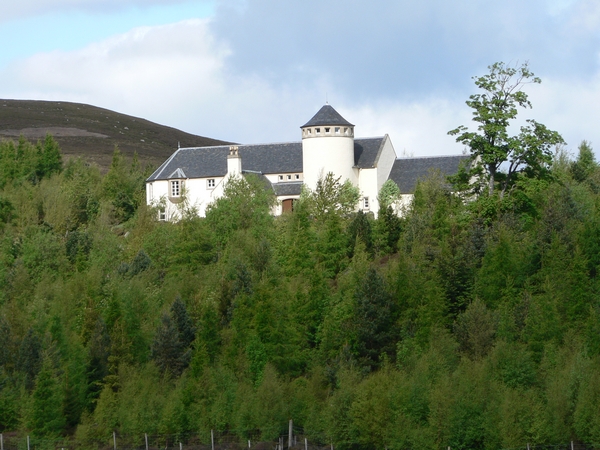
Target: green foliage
475, 330
245, 205
46, 416
331, 197
170, 349
6, 211
469, 322
374, 317
123, 187
49, 157
29, 358
97, 365
585, 164
492, 147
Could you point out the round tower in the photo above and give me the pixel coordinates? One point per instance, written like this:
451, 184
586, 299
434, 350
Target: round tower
328, 146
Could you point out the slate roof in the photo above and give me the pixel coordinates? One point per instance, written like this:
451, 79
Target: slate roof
327, 116
293, 188
367, 151
406, 172
203, 162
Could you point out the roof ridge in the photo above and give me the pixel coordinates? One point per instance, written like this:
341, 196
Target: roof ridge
242, 145
404, 158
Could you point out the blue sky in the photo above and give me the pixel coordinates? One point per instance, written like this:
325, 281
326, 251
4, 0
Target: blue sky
255, 70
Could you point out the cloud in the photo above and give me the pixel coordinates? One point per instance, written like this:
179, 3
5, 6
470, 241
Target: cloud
174, 74
570, 106
222, 78
402, 48
26, 8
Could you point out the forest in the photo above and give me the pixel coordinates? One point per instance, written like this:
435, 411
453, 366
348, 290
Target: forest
469, 321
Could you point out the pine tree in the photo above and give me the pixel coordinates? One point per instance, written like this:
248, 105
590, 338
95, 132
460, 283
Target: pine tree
97, 365
6, 344
374, 318
168, 352
47, 419
185, 326
29, 360
49, 158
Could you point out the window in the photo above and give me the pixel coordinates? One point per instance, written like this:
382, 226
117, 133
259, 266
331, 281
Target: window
366, 203
162, 214
175, 188
317, 131
297, 176
210, 183
280, 177
289, 177
346, 131
327, 130
337, 130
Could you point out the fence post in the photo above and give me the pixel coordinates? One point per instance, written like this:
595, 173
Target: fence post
114, 440
146, 439
27, 442
290, 431
248, 443
180, 446
528, 446
212, 439
1, 441
305, 444
572, 446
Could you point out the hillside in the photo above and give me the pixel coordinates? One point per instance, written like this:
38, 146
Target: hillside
473, 325
92, 132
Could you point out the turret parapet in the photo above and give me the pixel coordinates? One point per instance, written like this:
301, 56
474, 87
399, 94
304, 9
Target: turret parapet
327, 122
334, 154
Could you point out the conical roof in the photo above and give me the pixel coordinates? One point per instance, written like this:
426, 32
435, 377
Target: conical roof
327, 116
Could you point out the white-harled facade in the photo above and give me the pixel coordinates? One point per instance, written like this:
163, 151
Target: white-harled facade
328, 146
195, 177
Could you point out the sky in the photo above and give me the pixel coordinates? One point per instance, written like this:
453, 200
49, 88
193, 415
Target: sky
254, 71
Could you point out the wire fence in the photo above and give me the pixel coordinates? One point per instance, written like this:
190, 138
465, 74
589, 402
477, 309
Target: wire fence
215, 440
294, 439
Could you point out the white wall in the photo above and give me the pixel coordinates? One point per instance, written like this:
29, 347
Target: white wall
196, 195
386, 162
324, 154
368, 188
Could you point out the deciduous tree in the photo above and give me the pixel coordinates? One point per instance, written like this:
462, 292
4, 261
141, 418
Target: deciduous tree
502, 155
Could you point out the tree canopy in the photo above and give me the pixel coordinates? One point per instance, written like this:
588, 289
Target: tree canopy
464, 324
501, 154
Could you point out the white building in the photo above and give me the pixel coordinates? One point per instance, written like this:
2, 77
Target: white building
199, 174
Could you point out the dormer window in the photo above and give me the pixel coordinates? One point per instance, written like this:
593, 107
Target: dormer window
317, 131
210, 183
289, 177
176, 188
327, 130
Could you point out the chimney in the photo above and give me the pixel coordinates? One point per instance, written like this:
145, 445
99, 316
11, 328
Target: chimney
234, 162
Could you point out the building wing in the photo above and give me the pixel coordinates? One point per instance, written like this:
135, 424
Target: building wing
406, 172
